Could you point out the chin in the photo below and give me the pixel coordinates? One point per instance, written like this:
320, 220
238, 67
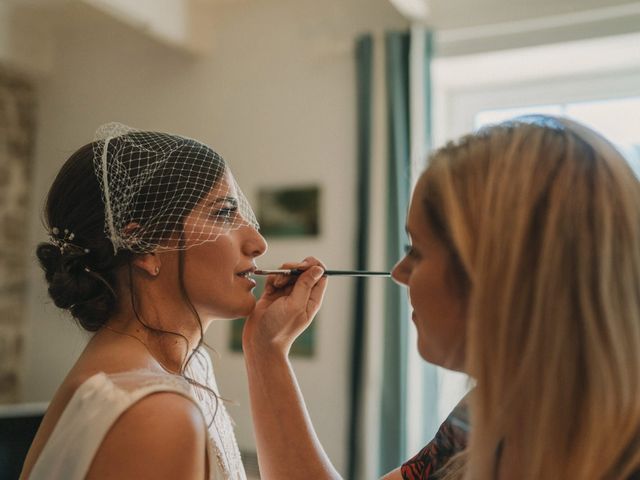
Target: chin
428, 355
424, 353
232, 312
450, 362
246, 308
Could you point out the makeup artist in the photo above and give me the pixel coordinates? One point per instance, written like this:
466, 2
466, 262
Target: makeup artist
523, 272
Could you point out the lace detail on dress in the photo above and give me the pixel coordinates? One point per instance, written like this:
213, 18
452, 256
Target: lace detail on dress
219, 422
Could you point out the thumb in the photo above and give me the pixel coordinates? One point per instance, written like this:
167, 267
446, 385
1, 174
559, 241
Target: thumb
304, 285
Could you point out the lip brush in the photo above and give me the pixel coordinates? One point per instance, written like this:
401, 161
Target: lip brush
328, 273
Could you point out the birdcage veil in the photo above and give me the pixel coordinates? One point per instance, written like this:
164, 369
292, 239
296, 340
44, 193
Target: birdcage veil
163, 191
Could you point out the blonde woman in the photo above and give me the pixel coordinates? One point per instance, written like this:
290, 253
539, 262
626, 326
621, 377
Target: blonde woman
524, 272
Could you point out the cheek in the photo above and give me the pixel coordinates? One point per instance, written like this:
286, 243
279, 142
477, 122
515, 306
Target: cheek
434, 300
421, 290
207, 268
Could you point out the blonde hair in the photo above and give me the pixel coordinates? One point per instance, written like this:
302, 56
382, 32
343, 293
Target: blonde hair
543, 220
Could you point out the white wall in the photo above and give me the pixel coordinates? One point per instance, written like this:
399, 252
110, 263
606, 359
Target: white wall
276, 97
25, 40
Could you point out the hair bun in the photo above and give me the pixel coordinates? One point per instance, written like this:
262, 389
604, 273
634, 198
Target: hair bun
72, 287
50, 259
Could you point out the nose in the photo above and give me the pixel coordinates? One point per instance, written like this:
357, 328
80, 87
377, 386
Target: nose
254, 244
401, 271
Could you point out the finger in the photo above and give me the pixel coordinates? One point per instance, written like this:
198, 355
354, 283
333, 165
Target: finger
314, 261
271, 282
274, 288
303, 266
316, 297
283, 280
309, 262
277, 281
303, 286
269, 286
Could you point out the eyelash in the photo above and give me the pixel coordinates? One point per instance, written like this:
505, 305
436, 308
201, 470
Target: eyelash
409, 251
226, 214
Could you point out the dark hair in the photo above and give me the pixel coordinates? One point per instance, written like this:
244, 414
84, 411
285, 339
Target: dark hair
74, 202
85, 283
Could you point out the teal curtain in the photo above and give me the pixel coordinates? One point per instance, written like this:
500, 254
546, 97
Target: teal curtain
364, 63
393, 419
393, 402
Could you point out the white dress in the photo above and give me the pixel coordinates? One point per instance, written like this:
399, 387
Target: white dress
101, 399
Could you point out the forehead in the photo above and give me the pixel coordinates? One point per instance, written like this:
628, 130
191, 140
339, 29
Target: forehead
224, 187
416, 217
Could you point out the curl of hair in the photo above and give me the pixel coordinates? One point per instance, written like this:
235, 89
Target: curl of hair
89, 297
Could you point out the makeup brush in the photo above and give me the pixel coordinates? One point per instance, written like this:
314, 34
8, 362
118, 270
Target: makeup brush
328, 273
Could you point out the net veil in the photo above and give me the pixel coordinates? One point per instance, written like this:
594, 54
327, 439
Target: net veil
163, 191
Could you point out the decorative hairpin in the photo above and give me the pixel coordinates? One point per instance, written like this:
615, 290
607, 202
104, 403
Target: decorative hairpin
64, 242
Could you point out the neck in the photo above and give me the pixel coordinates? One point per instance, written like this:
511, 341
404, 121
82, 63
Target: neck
157, 317
169, 332
168, 349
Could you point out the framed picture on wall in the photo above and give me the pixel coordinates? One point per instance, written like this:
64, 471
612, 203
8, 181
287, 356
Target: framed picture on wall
289, 211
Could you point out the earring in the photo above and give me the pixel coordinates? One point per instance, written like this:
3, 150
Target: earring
156, 271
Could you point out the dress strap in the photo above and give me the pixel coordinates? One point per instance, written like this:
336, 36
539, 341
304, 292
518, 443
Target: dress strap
93, 409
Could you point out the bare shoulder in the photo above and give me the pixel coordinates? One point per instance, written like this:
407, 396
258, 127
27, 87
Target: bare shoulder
161, 436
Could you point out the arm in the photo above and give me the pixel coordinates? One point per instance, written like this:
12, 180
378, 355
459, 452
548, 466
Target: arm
287, 443
163, 436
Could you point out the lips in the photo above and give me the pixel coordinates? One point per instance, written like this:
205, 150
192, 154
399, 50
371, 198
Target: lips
246, 273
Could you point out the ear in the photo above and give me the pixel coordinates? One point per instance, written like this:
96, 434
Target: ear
149, 263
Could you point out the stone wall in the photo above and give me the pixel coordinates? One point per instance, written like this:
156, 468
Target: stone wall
17, 134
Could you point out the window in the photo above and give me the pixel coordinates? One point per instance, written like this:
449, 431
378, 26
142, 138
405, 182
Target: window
617, 119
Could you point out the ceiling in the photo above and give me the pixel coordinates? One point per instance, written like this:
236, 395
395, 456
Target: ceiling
450, 14
443, 14
462, 26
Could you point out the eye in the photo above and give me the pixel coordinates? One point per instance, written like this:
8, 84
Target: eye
409, 251
226, 214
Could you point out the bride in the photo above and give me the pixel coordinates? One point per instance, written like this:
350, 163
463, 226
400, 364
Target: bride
150, 241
